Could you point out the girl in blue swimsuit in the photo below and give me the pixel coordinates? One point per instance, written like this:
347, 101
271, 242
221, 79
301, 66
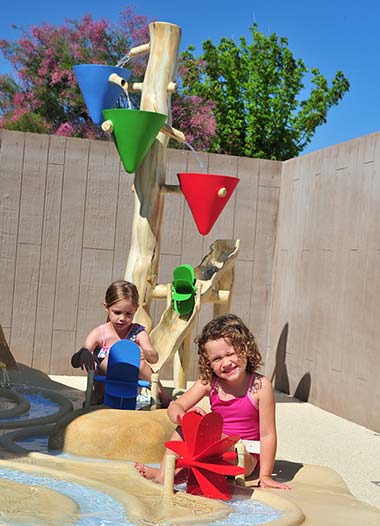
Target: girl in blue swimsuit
121, 303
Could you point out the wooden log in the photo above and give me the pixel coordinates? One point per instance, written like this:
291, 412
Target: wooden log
143, 259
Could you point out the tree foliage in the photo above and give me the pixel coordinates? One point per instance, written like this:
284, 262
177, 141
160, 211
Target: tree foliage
257, 90
242, 100
43, 95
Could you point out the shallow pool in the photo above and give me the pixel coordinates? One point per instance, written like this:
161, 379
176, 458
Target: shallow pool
40, 406
97, 508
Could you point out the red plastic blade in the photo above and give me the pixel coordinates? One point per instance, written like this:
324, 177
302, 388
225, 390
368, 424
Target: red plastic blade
190, 423
221, 467
178, 447
218, 447
209, 432
213, 485
192, 486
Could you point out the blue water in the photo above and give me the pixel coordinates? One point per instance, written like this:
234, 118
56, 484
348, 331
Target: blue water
246, 512
36, 443
99, 509
40, 406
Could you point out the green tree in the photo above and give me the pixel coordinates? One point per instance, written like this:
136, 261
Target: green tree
257, 89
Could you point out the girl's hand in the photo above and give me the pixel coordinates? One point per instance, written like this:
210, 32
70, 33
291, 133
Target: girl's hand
175, 412
268, 482
198, 410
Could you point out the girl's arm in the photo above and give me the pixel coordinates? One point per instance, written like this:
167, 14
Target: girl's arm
187, 401
268, 436
148, 352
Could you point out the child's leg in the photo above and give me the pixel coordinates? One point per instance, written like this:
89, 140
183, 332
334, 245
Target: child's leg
157, 474
250, 463
98, 393
145, 374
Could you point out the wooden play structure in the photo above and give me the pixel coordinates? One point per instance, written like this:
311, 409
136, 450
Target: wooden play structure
141, 137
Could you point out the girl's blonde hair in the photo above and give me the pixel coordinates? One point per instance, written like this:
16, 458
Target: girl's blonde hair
232, 329
121, 290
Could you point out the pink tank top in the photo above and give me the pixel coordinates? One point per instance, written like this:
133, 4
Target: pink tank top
240, 415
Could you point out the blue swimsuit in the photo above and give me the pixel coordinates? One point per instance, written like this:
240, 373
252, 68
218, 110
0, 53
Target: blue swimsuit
101, 352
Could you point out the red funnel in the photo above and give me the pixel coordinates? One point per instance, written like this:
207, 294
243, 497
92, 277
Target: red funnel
206, 195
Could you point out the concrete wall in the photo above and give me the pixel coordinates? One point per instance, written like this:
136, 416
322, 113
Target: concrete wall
324, 329
65, 225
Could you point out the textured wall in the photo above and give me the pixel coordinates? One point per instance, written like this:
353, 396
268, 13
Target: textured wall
65, 220
324, 330
65, 223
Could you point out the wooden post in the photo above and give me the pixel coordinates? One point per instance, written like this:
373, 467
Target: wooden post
181, 366
226, 283
144, 254
169, 476
154, 391
240, 450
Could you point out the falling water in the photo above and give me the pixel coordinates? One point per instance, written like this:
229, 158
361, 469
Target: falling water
5, 382
129, 103
197, 158
124, 60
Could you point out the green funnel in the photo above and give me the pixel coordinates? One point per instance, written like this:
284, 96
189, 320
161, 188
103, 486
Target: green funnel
134, 132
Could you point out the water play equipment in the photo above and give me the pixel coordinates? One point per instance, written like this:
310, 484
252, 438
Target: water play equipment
122, 378
134, 132
97, 90
206, 455
183, 289
206, 195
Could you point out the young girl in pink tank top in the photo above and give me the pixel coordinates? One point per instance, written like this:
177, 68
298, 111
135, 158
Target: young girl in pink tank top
228, 358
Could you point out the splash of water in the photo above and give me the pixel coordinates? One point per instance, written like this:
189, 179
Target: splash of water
197, 158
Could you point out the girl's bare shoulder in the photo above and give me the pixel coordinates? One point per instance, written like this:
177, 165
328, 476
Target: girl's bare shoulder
200, 389
261, 384
93, 339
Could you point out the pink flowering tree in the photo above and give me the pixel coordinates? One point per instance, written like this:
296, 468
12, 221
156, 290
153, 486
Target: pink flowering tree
42, 95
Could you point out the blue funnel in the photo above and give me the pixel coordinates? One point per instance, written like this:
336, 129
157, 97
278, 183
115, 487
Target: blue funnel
97, 91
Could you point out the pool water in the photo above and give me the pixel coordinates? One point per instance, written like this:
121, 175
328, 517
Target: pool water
40, 406
97, 508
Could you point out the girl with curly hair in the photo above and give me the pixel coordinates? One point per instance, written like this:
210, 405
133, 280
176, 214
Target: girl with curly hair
228, 359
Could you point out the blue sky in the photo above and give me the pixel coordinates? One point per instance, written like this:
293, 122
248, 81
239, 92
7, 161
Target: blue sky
331, 35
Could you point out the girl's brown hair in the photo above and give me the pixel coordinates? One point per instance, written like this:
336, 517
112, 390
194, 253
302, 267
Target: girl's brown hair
232, 329
121, 290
